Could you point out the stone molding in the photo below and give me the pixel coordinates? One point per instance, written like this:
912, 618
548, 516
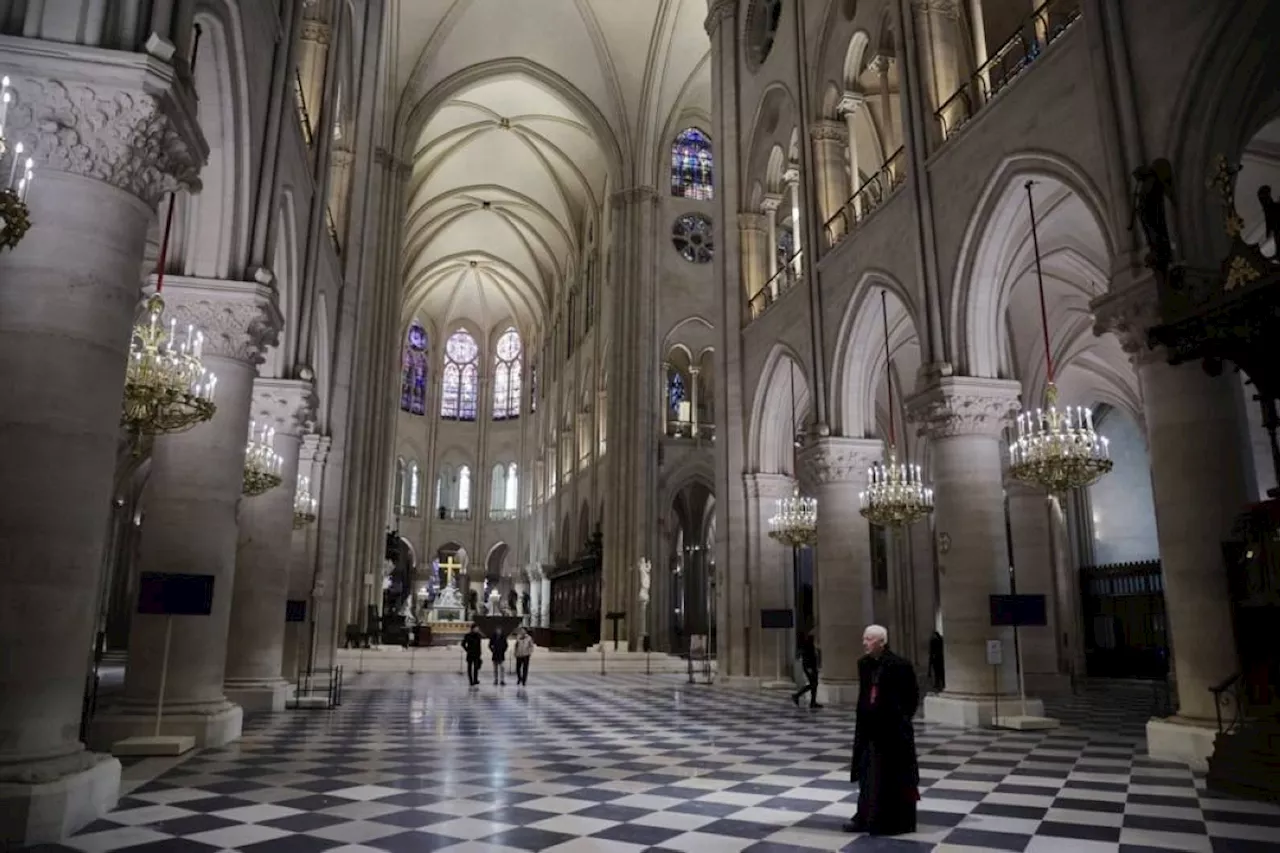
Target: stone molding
832, 461
1129, 310
944, 8
880, 63
770, 203
316, 31
768, 485
287, 404
240, 319
123, 119
964, 405
850, 102
752, 222
825, 130
719, 11
634, 195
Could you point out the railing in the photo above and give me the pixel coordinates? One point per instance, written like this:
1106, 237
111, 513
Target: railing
504, 514
1229, 697
445, 514
303, 115
1036, 33
782, 281
406, 511
686, 429
873, 193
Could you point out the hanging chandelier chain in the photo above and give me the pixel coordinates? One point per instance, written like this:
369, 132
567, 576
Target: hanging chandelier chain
888, 372
1044, 314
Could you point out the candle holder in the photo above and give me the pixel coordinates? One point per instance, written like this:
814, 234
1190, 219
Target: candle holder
261, 462
15, 216
167, 388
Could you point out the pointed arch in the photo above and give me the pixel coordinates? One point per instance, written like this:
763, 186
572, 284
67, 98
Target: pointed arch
774, 423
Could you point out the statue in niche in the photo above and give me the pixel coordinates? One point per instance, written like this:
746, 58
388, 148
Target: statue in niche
524, 603
1153, 187
1271, 218
513, 603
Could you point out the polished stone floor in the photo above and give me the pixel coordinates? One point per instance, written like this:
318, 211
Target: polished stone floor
628, 763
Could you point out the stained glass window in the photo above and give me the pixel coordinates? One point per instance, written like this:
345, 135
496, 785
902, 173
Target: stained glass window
675, 392
533, 387
691, 235
507, 367
413, 371
460, 379
691, 165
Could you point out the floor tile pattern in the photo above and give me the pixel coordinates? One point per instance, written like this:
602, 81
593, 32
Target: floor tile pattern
584, 764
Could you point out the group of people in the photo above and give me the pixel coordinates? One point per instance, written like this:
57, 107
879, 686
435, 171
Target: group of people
473, 646
884, 747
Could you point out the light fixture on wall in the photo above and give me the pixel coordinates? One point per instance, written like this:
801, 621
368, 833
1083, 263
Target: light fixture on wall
1055, 449
795, 522
304, 504
896, 494
261, 462
15, 216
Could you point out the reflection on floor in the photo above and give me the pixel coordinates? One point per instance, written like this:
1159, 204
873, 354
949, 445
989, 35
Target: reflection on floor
629, 763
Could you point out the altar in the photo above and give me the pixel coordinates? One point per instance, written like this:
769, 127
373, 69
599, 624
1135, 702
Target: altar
447, 615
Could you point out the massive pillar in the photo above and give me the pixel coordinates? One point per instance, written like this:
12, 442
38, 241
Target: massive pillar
830, 143
835, 470
1036, 561
303, 582
193, 495
255, 640
1197, 496
964, 419
940, 40
769, 581
104, 151
631, 532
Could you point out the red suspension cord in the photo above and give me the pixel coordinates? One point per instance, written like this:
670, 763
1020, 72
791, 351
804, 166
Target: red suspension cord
888, 371
164, 245
1044, 314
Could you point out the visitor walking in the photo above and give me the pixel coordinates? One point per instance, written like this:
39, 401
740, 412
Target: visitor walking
937, 664
807, 652
498, 649
524, 651
884, 745
475, 654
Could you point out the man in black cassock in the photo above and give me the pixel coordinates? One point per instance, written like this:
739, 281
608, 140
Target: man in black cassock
884, 743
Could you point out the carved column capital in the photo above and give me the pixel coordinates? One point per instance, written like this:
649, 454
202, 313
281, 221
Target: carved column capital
880, 63
719, 11
752, 222
315, 31
289, 405
126, 124
850, 102
943, 8
825, 130
792, 174
768, 485
770, 203
1129, 310
829, 461
315, 449
240, 319
962, 405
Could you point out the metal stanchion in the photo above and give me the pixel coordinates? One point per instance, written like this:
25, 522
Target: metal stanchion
360, 662
413, 651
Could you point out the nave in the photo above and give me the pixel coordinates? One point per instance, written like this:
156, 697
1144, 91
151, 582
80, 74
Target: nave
584, 764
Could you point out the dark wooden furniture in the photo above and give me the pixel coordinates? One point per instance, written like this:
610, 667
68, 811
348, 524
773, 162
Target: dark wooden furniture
576, 591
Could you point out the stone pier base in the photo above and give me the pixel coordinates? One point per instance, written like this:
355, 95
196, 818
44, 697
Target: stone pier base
47, 812
975, 712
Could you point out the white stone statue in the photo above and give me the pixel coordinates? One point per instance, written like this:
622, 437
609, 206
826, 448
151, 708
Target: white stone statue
644, 569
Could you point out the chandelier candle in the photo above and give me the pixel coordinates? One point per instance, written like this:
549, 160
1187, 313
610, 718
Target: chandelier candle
262, 465
304, 505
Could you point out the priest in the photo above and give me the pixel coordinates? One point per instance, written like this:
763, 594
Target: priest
884, 745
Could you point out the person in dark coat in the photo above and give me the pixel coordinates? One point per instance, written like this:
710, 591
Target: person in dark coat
937, 663
884, 744
498, 649
807, 651
475, 654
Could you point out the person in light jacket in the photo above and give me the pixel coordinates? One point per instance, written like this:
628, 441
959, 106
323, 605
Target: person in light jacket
524, 651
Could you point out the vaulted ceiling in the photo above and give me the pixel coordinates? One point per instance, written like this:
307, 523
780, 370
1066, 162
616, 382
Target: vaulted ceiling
520, 118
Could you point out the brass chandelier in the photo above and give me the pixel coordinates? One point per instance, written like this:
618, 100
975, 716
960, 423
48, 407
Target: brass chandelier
304, 505
261, 462
1055, 449
795, 521
167, 388
896, 494
15, 216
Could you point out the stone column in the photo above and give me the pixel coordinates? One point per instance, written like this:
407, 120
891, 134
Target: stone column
303, 584
1032, 517
850, 104
193, 495
770, 580
937, 24
105, 150
830, 143
255, 640
753, 230
964, 419
770, 207
1197, 497
881, 65
835, 470
792, 179
313, 56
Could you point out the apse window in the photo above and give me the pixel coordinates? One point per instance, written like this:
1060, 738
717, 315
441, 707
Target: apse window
691, 235
762, 29
691, 165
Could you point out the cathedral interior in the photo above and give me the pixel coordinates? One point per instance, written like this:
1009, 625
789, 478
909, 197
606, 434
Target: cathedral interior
672, 333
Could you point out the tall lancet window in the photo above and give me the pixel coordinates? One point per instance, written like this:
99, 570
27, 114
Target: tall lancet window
413, 371
464, 488
513, 488
507, 367
691, 165
460, 382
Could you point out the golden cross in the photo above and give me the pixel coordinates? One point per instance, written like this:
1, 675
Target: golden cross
450, 565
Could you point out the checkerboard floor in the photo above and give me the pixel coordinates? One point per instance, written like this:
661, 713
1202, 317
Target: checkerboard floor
629, 763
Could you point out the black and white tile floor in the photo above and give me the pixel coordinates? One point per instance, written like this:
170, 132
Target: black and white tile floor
584, 764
